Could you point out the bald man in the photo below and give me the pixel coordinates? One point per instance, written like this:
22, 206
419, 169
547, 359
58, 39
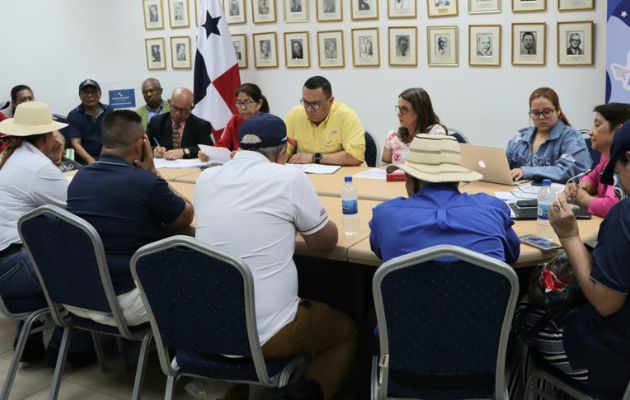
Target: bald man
178, 133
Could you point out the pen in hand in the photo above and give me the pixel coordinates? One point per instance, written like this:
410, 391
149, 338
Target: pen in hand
572, 197
577, 177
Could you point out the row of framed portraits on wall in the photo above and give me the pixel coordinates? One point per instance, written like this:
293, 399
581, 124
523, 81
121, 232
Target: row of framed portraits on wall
575, 44
180, 54
264, 11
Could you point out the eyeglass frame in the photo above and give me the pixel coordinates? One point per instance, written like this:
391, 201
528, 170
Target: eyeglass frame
402, 110
313, 105
244, 104
546, 113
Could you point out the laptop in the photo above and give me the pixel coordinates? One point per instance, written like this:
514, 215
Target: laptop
491, 162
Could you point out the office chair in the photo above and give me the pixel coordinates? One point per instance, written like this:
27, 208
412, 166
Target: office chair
444, 315
79, 278
461, 138
371, 152
201, 306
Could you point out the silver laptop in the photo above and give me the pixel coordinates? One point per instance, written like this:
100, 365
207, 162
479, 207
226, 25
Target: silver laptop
491, 162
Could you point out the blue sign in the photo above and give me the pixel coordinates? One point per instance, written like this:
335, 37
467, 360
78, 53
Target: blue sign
122, 98
618, 52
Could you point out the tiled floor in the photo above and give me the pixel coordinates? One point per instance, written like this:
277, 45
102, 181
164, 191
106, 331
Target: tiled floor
33, 381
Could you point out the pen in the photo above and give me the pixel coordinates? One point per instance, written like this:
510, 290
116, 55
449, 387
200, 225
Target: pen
578, 176
156, 141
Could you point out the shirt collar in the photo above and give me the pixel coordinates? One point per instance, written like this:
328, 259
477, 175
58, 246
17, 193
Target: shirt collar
113, 159
158, 109
250, 155
555, 133
437, 191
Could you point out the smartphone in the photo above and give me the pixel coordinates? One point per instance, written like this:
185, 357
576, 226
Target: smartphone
539, 242
527, 203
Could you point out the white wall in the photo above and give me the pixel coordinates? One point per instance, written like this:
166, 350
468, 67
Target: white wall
52, 45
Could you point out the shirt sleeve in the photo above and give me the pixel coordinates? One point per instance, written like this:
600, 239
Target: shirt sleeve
73, 130
511, 153
227, 137
610, 257
375, 243
49, 186
512, 245
291, 121
164, 203
309, 214
353, 135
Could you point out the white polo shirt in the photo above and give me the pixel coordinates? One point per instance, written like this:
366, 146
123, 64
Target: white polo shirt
28, 180
252, 209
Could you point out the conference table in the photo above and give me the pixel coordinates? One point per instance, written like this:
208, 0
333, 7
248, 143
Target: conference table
356, 248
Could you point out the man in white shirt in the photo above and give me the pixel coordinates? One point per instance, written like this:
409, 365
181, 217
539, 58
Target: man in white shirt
252, 207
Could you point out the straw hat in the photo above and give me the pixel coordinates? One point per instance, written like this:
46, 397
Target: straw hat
30, 118
435, 158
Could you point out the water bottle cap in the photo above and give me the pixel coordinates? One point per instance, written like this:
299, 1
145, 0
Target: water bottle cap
347, 179
546, 182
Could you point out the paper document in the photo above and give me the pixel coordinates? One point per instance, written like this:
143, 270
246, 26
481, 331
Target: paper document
372, 173
217, 155
315, 168
192, 163
531, 191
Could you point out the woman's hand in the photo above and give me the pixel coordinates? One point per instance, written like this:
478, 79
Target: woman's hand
517, 173
562, 218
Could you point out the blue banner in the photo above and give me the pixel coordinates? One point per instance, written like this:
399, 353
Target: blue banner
618, 52
122, 98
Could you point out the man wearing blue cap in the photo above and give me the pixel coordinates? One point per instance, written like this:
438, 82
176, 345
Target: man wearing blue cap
251, 207
84, 130
593, 347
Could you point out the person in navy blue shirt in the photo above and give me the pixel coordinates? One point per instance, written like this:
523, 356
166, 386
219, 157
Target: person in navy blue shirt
436, 212
597, 339
128, 203
84, 130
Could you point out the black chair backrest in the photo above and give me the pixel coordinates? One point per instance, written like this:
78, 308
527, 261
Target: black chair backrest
457, 135
370, 150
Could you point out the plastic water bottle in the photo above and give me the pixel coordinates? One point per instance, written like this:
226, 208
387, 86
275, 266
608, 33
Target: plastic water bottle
350, 207
545, 198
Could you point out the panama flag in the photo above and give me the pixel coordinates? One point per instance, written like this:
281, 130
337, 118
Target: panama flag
618, 52
216, 69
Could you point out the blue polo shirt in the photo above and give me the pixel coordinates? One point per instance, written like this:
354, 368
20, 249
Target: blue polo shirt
127, 206
82, 126
440, 214
602, 344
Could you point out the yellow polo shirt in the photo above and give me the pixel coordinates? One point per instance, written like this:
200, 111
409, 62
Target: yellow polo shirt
341, 130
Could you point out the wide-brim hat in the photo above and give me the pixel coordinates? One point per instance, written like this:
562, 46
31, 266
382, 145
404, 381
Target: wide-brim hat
620, 143
30, 118
435, 158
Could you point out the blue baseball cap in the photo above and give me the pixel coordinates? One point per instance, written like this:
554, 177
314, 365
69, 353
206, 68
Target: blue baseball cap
89, 82
620, 144
267, 130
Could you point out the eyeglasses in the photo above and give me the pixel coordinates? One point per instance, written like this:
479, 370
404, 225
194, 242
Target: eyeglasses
180, 110
544, 113
313, 105
401, 110
244, 104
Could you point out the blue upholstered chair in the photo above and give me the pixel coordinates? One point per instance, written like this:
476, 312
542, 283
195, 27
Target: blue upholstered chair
201, 305
444, 316
461, 138
371, 152
78, 277
28, 317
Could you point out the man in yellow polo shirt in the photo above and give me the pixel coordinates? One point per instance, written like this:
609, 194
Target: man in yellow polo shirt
322, 130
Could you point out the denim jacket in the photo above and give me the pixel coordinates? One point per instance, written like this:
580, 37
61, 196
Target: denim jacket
559, 158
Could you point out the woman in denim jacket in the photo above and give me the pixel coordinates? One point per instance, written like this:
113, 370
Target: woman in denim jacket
551, 148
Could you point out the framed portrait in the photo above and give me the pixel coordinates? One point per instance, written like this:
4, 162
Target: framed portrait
295, 10
178, 13
180, 52
156, 58
528, 5
296, 50
365, 48
403, 45
329, 10
234, 11
330, 49
401, 9
239, 42
264, 11
529, 43
575, 43
570, 5
265, 50
484, 6
442, 8
153, 14
363, 9
443, 46
484, 45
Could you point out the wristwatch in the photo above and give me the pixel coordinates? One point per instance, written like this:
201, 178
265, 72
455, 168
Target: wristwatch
317, 158
186, 152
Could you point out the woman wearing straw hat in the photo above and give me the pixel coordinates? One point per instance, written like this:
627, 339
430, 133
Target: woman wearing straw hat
28, 179
436, 212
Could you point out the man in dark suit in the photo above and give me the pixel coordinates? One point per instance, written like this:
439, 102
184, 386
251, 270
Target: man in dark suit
178, 133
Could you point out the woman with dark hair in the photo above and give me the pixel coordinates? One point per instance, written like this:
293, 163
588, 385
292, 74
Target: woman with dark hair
551, 148
592, 193
416, 115
249, 101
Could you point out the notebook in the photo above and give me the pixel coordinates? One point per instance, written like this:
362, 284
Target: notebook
491, 162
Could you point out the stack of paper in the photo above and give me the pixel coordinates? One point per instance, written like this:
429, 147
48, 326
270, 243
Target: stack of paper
315, 168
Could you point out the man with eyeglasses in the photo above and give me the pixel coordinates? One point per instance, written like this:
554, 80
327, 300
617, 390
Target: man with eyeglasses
574, 45
84, 123
177, 134
155, 105
322, 130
